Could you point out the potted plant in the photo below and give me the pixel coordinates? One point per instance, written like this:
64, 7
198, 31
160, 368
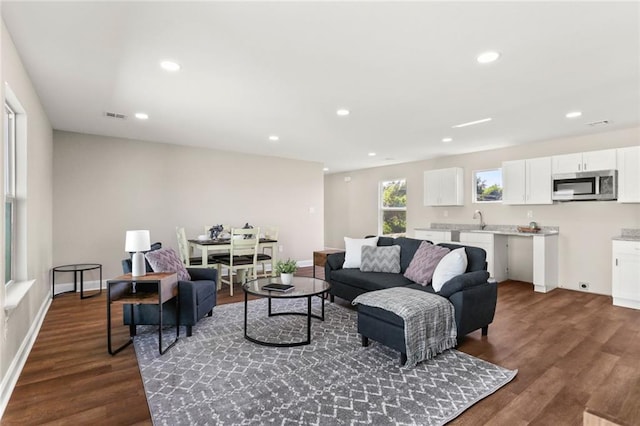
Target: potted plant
286, 270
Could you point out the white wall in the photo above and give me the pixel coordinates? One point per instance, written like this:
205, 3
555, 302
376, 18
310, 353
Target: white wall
586, 228
104, 186
18, 326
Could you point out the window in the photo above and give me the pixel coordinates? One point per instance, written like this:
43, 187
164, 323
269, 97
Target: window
9, 193
393, 207
488, 185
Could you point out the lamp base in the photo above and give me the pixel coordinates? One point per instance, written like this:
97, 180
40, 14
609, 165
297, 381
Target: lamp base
138, 267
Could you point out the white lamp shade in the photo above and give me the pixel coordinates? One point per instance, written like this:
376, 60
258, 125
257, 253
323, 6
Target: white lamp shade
137, 241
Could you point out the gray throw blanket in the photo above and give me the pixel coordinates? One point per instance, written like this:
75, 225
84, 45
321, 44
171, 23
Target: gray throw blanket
429, 322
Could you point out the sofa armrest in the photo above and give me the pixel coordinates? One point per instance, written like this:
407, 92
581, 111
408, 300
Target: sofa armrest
335, 261
188, 307
203, 274
461, 282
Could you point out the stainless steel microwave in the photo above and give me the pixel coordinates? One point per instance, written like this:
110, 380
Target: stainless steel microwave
582, 186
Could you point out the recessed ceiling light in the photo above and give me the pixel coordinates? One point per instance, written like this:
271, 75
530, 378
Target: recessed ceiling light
487, 57
141, 116
372, 154
326, 169
574, 114
447, 140
170, 66
471, 123
274, 138
342, 112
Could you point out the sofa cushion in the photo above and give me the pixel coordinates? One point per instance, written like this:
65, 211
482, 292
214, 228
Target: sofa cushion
353, 250
453, 264
386, 241
408, 248
388, 316
424, 262
369, 281
380, 259
166, 260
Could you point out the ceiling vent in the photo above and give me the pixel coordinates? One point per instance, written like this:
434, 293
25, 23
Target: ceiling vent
115, 115
598, 123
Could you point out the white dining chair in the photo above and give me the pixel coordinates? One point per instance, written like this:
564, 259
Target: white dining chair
265, 257
243, 256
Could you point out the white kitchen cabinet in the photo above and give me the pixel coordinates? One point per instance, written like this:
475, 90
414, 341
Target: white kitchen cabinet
496, 247
435, 237
527, 181
629, 174
584, 161
625, 280
444, 187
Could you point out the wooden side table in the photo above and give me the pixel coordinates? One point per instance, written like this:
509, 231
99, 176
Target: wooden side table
320, 258
154, 288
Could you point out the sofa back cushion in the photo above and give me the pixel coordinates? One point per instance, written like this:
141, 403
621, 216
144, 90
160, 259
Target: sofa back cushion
424, 262
408, 248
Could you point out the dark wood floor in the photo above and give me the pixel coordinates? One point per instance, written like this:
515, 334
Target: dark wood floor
572, 350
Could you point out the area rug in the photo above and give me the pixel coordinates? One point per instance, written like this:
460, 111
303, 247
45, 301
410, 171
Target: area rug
217, 377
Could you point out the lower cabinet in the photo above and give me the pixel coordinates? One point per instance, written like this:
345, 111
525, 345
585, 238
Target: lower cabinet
434, 236
625, 280
496, 247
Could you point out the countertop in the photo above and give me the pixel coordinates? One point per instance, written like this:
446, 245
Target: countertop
628, 234
511, 230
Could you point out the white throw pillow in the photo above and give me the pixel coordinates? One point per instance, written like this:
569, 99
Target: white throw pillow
453, 264
353, 248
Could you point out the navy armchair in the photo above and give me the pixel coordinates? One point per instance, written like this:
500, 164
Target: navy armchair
197, 299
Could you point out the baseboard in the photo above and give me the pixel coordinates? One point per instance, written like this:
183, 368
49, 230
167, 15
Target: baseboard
88, 286
304, 263
17, 364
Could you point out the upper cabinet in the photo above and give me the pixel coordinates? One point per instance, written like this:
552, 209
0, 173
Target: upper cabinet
629, 174
584, 161
444, 187
527, 181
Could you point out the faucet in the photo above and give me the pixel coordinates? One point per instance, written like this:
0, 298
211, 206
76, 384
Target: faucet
478, 214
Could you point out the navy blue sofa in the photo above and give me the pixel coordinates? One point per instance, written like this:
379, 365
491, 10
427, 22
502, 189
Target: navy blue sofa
473, 297
197, 299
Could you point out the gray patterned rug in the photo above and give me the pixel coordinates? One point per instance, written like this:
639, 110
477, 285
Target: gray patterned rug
216, 377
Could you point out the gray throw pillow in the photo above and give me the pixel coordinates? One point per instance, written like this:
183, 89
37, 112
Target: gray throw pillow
380, 259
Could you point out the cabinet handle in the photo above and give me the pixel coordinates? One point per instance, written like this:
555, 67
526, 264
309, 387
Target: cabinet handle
616, 262
579, 166
585, 167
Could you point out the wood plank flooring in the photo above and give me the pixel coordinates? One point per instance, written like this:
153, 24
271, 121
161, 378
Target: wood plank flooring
573, 350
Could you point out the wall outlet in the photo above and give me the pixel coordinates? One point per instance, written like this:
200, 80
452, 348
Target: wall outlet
529, 214
445, 213
280, 248
583, 285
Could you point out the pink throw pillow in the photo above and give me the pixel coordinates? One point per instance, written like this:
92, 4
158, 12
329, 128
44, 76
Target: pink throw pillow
166, 260
424, 262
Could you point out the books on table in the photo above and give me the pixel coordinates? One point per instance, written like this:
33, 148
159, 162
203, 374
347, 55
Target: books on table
278, 287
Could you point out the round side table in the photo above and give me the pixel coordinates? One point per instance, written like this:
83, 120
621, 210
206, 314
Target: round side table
77, 269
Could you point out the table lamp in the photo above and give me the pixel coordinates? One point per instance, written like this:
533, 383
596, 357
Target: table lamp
137, 241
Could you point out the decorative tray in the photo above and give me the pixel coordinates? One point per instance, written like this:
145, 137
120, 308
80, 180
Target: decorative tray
528, 229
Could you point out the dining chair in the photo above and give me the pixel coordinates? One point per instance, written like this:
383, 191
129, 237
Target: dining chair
264, 258
185, 252
243, 256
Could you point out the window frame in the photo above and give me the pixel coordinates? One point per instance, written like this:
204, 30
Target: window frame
382, 209
474, 186
9, 164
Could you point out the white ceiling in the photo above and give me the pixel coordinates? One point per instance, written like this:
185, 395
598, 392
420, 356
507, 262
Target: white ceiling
407, 71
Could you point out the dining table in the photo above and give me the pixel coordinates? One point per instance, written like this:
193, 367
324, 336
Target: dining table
223, 245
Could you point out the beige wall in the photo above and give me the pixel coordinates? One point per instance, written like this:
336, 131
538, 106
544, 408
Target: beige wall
104, 186
586, 228
18, 324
